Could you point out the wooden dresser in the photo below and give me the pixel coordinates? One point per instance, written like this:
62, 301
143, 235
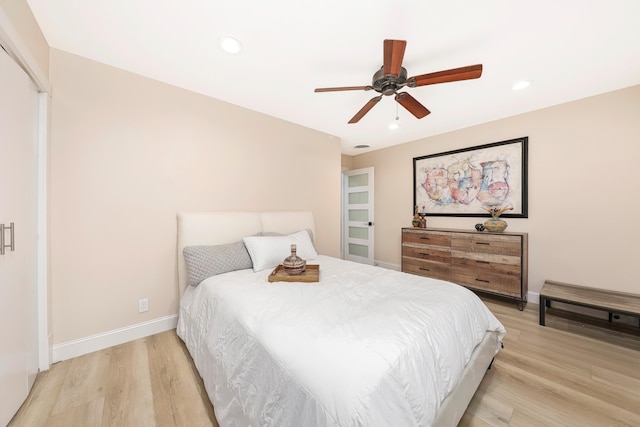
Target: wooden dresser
488, 262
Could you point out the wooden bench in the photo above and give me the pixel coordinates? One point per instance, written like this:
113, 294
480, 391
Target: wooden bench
600, 299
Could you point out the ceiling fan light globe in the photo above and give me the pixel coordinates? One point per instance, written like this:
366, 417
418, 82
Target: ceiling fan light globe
230, 45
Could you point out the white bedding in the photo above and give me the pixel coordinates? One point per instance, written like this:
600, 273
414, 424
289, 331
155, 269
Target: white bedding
365, 346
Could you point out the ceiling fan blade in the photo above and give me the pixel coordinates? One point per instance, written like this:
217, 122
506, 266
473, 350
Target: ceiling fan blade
453, 75
412, 105
364, 110
393, 55
336, 89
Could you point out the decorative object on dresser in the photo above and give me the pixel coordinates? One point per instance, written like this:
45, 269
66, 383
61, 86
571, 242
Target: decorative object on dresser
416, 218
495, 224
486, 262
423, 220
467, 181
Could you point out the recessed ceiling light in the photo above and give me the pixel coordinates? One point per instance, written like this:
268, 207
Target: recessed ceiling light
394, 126
230, 45
362, 146
521, 85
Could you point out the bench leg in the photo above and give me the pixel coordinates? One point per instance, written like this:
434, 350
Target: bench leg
544, 302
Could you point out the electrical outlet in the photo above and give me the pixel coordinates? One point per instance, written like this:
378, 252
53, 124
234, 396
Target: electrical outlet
143, 305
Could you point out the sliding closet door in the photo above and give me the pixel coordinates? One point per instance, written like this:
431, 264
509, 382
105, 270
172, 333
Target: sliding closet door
18, 251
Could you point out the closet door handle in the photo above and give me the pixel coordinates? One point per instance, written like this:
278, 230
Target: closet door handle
3, 245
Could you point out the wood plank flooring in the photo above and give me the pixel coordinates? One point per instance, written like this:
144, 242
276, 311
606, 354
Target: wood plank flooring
146, 382
574, 372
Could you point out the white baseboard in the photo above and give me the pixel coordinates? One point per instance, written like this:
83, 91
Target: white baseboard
79, 347
387, 265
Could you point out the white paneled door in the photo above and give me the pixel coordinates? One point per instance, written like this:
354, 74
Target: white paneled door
18, 254
357, 221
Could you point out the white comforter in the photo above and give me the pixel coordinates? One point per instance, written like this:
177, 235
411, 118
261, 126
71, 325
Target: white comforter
365, 346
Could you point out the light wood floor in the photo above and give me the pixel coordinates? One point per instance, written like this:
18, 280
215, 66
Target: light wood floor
574, 372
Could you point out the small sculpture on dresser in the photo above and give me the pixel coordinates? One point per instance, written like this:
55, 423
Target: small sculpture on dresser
423, 219
416, 218
293, 265
495, 224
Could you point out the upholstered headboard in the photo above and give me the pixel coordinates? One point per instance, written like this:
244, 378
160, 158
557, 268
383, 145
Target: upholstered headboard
217, 228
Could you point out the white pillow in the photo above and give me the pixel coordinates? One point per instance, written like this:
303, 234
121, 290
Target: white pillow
269, 251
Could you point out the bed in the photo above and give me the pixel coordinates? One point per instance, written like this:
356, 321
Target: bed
363, 346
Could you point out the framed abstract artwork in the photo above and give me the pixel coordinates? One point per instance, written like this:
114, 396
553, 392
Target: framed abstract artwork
468, 181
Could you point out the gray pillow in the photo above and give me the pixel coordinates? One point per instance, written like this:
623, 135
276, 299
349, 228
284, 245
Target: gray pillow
206, 261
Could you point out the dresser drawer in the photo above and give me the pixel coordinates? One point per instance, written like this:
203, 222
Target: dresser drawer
488, 281
504, 264
436, 270
487, 243
431, 253
431, 238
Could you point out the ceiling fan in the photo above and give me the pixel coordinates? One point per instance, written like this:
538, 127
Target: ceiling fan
392, 76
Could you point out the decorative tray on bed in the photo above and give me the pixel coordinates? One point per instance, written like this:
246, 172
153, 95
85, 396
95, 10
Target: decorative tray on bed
310, 274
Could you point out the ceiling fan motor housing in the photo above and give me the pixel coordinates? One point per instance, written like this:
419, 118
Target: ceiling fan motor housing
388, 84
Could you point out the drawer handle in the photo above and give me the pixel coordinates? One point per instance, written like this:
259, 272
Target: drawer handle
482, 262
423, 238
482, 280
423, 253
482, 243
424, 269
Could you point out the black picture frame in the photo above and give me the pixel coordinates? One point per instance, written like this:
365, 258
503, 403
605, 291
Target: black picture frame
466, 182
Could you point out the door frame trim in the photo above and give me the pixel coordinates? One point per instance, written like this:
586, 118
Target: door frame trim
17, 49
44, 347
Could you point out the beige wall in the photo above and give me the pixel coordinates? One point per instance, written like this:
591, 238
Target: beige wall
583, 189
347, 162
127, 153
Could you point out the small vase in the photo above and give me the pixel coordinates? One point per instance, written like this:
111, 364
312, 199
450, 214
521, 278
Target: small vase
495, 225
293, 265
416, 218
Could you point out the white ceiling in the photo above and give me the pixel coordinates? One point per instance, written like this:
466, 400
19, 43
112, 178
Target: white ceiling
569, 49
